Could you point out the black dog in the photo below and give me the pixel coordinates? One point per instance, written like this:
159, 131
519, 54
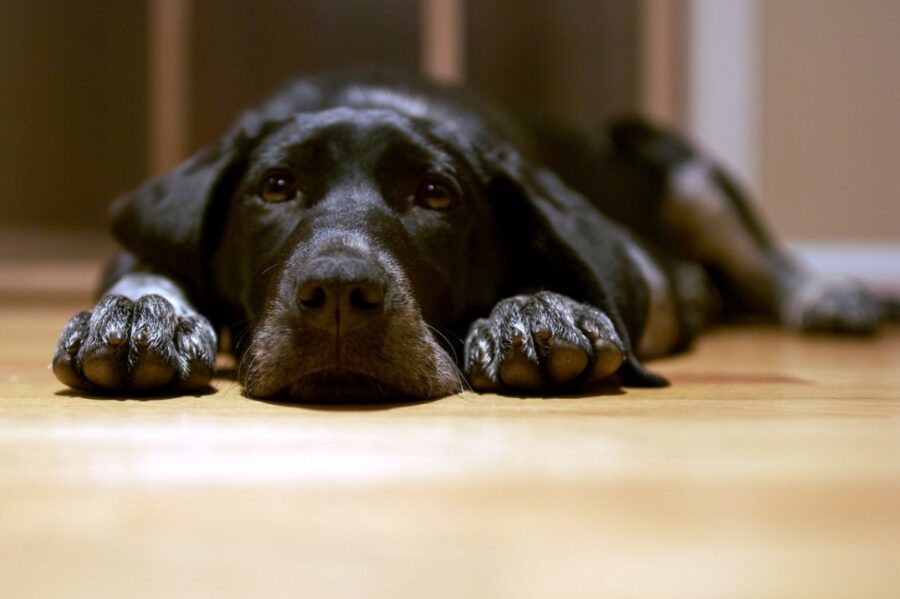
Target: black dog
346, 231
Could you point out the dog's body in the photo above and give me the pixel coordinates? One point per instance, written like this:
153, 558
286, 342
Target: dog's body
347, 229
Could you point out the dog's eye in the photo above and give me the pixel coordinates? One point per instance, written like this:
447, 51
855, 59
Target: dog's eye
277, 186
436, 195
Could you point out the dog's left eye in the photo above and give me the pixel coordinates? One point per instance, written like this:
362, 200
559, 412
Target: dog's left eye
277, 186
436, 195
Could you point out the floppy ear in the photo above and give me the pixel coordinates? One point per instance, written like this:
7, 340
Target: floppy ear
563, 243
165, 221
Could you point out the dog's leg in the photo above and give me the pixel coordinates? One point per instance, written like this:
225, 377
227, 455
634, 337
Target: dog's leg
714, 223
706, 216
142, 337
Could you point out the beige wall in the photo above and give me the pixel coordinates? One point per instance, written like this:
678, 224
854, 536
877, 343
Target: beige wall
830, 118
72, 109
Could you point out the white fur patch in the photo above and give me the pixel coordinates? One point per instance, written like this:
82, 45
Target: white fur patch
136, 285
662, 327
709, 229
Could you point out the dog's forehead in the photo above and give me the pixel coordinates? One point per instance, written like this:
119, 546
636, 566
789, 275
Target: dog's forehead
358, 137
356, 126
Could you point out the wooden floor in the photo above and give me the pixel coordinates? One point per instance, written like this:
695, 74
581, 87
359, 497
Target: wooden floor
771, 468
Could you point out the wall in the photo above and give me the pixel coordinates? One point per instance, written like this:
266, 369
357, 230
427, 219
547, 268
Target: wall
830, 115
575, 60
73, 90
243, 50
74, 77
72, 108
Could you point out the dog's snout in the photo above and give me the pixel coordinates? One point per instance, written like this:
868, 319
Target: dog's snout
341, 293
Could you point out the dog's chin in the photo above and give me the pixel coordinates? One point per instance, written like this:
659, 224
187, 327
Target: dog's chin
341, 386
400, 361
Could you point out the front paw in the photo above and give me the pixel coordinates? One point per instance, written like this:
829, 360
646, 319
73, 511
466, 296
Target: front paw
542, 341
139, 346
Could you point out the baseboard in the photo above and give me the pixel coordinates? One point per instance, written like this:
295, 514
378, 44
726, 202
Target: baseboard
876, 264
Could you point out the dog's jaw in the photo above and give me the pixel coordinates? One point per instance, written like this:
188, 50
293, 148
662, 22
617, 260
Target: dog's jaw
287, 363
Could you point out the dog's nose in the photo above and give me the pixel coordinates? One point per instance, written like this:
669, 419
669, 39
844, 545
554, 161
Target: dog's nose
340, 293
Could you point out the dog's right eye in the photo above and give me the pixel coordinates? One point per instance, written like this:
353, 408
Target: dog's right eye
277, 186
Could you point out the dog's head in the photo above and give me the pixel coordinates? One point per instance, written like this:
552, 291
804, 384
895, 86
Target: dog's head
343, 240
359, 234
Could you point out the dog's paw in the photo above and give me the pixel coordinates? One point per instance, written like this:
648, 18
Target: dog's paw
833, 306
542, 341
138, 346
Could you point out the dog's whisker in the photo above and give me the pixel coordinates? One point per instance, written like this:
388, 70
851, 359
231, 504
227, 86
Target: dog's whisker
462, 381
448, 343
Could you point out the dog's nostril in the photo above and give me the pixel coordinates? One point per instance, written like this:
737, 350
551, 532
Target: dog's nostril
312, 297
340, 294
366, 298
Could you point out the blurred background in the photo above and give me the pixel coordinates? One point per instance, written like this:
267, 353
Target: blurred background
800, 98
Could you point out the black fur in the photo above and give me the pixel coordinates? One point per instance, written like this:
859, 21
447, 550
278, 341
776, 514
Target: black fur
357, 232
